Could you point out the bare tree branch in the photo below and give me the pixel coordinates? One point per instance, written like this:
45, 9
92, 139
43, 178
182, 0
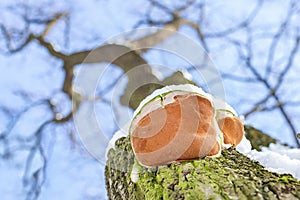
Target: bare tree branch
239, 26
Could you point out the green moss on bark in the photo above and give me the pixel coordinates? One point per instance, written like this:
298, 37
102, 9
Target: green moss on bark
230, 176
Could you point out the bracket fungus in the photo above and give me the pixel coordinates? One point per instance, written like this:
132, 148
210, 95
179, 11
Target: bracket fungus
182, 122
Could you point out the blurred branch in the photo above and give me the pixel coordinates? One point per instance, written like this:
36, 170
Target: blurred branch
272, 90
239, 26
8, 40
35, 180
289, 64
275, 41
52, 22
154, 39
48, 46
48, 22
238, 78
14, 120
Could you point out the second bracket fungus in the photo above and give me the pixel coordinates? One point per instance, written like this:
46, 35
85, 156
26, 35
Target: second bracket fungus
182, 122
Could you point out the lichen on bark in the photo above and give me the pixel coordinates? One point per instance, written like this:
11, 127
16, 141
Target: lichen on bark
230, 176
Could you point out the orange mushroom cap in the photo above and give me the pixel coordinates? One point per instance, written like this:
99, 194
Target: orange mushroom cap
181, 130
233, 130
181, 123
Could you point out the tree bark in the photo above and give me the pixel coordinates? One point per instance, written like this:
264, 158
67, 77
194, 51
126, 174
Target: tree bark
230, 176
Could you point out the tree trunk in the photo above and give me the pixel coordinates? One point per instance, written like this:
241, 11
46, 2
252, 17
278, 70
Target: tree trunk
230, 176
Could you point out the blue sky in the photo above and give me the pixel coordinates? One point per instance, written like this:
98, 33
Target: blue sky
33, 72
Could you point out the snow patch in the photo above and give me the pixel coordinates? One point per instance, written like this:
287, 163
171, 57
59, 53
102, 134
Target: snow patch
276, 158
220, 104
134, 174
123, 132
186, 74
169, 88
244, 147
